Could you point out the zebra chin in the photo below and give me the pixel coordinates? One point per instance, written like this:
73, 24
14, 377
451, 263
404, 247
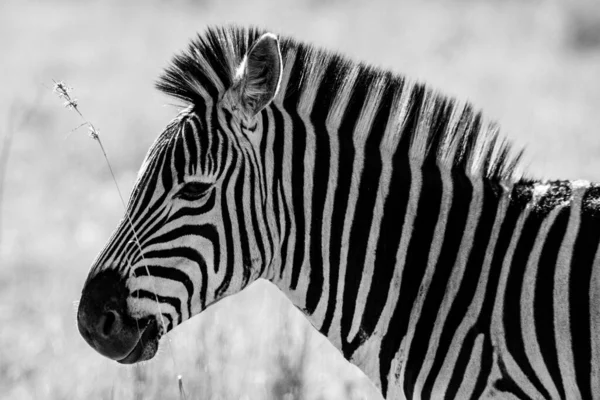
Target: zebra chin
146, 347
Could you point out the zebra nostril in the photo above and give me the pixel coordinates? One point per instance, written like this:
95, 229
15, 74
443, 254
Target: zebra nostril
109, 323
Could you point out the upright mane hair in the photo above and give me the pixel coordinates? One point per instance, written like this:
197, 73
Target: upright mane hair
440, 129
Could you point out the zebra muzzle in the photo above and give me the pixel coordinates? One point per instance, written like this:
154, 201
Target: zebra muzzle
105, 324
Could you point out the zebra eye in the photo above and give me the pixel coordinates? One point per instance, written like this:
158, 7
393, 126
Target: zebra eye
193, 190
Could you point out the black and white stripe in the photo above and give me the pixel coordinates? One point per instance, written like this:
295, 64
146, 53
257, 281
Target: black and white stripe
391, 215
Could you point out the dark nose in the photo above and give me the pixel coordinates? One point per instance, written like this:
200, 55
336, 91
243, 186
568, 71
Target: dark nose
102, 316
109, 324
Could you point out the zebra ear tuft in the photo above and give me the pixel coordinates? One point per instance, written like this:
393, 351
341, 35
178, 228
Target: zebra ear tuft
259, 75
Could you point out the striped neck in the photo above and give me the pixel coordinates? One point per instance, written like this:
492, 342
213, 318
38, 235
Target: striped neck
351, 162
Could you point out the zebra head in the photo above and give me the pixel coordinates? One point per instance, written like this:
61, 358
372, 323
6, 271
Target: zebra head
190, 235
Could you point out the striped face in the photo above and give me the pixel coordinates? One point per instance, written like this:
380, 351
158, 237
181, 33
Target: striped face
192, 232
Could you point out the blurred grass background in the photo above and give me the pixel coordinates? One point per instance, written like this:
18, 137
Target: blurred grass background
532, 65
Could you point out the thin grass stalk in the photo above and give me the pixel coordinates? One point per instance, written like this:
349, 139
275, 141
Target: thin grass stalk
182, 395
63, 92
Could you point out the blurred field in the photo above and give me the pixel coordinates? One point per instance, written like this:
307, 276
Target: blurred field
532, 65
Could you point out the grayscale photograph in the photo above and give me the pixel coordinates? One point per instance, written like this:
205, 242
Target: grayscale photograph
299, 199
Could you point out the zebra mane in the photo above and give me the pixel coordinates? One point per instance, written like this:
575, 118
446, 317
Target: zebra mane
440, 129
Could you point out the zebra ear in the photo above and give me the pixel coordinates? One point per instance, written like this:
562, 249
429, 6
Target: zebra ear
259, 75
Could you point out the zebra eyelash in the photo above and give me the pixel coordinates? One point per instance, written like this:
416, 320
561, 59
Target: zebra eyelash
193, 191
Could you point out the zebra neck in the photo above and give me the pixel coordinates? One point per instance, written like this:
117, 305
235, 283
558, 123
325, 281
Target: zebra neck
344, 253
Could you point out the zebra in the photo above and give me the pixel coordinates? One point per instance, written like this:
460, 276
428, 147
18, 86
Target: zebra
396, 218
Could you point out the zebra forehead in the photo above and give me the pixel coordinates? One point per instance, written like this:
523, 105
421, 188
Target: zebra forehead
453, 133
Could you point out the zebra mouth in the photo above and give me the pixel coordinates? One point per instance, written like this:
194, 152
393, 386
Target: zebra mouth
147, 344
